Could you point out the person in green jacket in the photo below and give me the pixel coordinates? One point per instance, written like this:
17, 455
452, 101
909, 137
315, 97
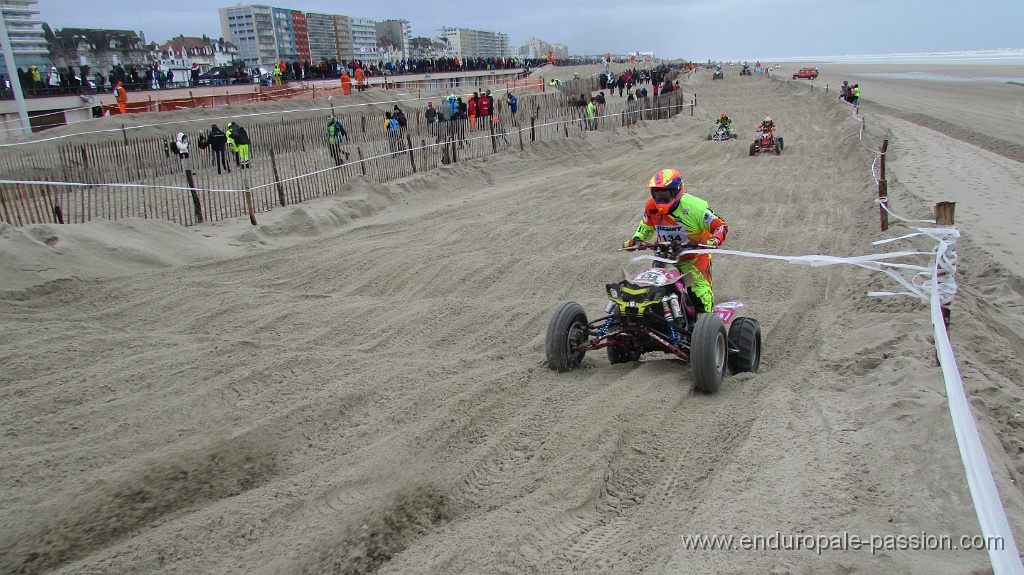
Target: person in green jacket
335, 136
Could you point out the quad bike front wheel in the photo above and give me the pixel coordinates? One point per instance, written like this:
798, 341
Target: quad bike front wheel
745, 335
778, 146
709, 352
753, 149
567, 330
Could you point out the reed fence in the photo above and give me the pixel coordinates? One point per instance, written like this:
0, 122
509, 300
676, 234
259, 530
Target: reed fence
290, 157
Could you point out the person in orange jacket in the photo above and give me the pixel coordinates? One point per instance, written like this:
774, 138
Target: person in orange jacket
360, 79
121, 95
346, 83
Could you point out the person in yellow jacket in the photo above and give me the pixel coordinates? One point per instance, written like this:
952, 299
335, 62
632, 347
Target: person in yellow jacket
673, 215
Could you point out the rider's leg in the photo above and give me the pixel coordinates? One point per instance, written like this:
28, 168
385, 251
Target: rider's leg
701, 287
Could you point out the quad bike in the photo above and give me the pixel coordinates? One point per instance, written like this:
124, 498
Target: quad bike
721, 134
718, 75
745, 71
653, 311
766, 141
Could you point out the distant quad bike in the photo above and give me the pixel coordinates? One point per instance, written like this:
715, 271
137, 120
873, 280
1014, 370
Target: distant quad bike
653, 311
721, 134
719, 74
745, 71
765, 141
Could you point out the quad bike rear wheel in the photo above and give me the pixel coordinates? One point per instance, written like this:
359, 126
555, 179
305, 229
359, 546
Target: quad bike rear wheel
709, 352
778, 145
567, 330
745, 335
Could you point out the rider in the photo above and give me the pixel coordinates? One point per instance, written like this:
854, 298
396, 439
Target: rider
672, 214
725, 121
768, 125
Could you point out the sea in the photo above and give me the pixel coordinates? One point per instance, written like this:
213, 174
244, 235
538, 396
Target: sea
999, 56
1011, 57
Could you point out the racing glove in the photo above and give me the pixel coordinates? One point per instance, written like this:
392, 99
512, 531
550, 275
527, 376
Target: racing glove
632, 242
713, 242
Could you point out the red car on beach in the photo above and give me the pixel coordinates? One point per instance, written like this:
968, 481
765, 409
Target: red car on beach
808, 73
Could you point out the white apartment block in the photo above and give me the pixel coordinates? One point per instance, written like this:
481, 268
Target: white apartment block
465, 43
25, 30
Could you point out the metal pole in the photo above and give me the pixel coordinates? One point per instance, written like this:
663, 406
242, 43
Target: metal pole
12, 73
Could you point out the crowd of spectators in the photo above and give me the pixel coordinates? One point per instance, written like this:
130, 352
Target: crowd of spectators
72, 80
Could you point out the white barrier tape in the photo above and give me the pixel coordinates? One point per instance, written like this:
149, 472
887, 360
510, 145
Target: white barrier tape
937, 286
883, 202
1005, 558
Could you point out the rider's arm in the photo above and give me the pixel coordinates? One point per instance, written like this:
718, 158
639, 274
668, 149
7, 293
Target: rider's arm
716, 226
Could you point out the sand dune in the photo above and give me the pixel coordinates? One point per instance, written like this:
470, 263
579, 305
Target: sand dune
327, 394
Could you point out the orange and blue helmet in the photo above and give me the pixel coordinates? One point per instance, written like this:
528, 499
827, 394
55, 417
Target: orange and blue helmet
666, 186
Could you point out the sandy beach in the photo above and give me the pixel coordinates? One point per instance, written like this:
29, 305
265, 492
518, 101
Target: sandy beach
358, 384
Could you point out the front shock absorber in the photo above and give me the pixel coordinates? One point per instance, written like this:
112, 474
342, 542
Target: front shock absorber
607, 324
670, 320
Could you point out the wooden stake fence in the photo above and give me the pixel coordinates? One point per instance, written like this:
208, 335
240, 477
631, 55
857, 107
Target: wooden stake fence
298, 168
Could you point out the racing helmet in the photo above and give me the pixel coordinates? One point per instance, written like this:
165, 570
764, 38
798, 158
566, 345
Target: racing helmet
666, 186
768, 120
724, 115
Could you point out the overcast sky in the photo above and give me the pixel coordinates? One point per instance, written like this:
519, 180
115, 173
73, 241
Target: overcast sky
691, 29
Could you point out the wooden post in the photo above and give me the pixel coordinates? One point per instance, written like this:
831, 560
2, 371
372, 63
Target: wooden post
883, 188
944, 217
248, 202
362, 164
125, 134
196, 205
494, 141
412, 154
533, 133
520, 130
277, 178
423, 147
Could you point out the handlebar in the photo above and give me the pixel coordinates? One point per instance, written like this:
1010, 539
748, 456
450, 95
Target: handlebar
667, 246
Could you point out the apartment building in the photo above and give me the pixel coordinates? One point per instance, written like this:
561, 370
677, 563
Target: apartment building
25, 30
466, 43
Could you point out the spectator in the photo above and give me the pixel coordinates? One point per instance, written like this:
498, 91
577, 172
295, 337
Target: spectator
360, 79
237, 136
513, 106
346, 83
399, 115
181, 146
471, 110
392, 128
170, 78
121, 95
483, 107
591, 114
844, 92
37, 80
335, 137
53, 81
856, 95
217, 141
